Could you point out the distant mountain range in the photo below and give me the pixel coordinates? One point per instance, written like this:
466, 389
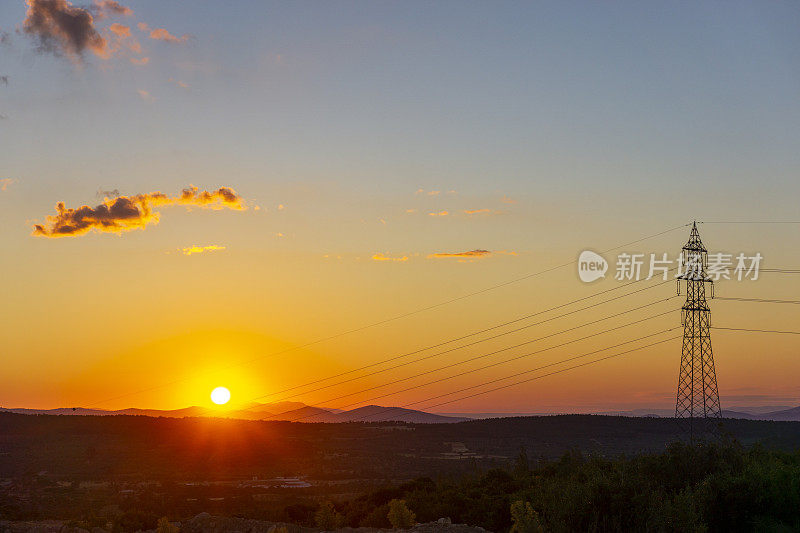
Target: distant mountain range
285, 411
300, 412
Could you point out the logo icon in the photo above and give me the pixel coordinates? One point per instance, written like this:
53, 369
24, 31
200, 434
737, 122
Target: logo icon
591, 266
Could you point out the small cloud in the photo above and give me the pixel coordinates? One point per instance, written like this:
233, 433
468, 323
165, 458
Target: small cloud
471, 254
143, 26
281, 207
381, 257
451, 192
439, 214
140, 62
3, 117
383, 221
110, 8
160, 34
506, 252
477, 211
410, 211
145, 95
428, 193
102, 194
5, 182
120, 30
4, 79
279, 235
506, 200
179, 83
191, 250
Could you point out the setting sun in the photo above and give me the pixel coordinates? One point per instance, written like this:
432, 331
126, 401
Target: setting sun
220, 395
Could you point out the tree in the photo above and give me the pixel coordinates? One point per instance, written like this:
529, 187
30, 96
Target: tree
327, 518
522, 467
400, 516
165, 527
526, 520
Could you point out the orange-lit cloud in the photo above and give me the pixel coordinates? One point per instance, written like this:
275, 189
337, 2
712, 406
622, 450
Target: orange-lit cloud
63, 29
145, 95
429, 193
190, 250
141, 62
120, 30
439, 214
5, 182
477, 211
160, 34
471, 254
506, 200
381, 257
110, 8
126, 213
179, 83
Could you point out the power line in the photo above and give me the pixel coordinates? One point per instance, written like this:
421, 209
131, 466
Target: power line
481, 368
391, 319
464, 389
758, 300
759, 330
780, 270
457, 347
750, 222
511, 360
556, 371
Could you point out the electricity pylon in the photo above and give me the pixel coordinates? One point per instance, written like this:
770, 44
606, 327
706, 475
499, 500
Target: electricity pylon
697, 405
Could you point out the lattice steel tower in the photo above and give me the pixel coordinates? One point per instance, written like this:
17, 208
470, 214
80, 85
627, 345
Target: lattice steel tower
697, 405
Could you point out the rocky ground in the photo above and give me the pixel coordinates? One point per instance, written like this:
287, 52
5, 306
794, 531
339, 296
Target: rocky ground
206, 523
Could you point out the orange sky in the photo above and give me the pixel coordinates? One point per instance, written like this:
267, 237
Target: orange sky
363, 161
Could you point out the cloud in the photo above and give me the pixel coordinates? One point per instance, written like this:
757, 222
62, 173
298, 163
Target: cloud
5, 182
160, 34
381, 257
506, 200
439, 214
127, 213
121, 30
471, 254
429, 193
103, 194
141, 62
179, 83
190, 250
110, 8
4, 79
477, 211
63, 29
145, 95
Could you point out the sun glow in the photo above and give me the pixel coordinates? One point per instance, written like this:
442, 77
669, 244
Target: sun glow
220, 395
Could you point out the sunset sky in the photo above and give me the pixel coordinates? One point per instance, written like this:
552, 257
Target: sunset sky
357, 161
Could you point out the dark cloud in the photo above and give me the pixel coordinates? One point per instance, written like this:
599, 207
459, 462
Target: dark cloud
126, 213
4, 80
63, 29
